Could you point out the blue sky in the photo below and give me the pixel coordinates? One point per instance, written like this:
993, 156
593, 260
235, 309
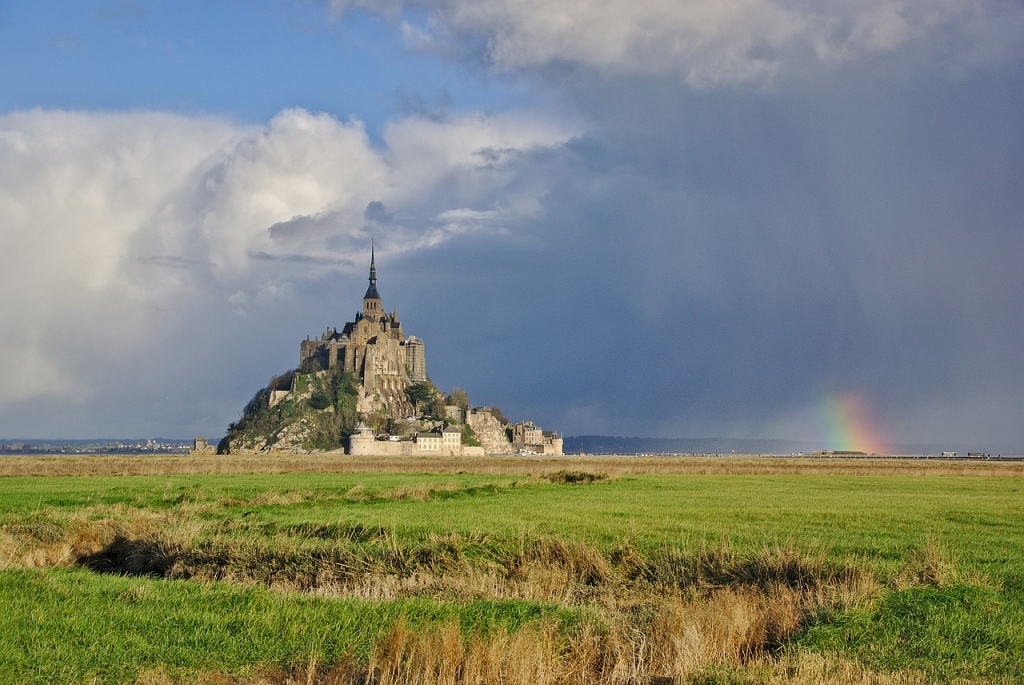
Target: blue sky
663, 218
241, 60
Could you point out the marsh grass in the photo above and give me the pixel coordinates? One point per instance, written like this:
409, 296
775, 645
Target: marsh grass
379, 578
609, 466
664, 616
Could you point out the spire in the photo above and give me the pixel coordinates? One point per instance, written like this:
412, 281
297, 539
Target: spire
371, 292
373, 267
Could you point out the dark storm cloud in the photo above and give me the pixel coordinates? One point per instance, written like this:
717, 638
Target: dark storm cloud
720, 263
376, 211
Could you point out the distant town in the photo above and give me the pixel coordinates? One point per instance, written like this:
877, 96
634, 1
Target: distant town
98, 446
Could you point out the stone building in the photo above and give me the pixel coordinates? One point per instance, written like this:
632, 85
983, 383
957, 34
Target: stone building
528, 437
447, 442
429, 442
202, 446
373, 347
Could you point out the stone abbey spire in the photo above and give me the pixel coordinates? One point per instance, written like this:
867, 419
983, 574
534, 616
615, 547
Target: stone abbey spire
373, 347
372, 305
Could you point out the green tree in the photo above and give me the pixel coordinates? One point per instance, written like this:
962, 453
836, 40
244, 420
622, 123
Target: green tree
320, 400
420, 393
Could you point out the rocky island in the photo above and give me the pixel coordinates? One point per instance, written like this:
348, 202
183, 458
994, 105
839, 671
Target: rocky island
364, 388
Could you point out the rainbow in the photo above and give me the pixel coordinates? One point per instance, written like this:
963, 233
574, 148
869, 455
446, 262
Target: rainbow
850, 426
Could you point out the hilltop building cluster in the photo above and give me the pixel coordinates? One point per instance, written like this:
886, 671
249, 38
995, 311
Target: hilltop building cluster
447, 438
374, 349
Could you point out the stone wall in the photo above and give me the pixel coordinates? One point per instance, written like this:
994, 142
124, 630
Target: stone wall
359, 444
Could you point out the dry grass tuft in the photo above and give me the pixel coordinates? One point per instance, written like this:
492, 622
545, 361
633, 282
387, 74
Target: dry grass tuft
530, 656
682, 640
728, 627
443, 656
422, 492
934, 565
575, 477
64, 541
576, 562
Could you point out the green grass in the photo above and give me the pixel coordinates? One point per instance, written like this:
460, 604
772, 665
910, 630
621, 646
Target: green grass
961, 631
877, 519
72, 625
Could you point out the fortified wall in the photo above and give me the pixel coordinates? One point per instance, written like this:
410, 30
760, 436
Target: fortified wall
447, 443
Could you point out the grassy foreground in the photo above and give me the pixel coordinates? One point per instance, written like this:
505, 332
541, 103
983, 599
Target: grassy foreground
528, 571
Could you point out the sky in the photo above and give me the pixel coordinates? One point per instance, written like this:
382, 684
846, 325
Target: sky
665, 218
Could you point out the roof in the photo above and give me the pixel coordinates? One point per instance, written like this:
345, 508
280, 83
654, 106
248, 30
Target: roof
371, 292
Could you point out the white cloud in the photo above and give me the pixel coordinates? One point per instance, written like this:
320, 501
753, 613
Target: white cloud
708, 42
74, 189
116, 226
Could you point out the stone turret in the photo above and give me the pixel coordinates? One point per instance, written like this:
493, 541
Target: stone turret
362, 441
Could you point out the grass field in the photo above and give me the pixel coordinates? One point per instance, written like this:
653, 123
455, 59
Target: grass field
266, 570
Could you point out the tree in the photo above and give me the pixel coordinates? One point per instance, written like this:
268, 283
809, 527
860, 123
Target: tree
282, 382
320, 400
498, 415
437, 407
420, 393
459, 398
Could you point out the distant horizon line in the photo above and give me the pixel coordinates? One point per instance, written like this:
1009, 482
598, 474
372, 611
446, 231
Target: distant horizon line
788, 445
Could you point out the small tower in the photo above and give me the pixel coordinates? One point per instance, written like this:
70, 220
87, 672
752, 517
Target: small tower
372, 306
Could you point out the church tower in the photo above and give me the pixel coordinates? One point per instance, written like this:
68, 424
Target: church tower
373, 347
373, 309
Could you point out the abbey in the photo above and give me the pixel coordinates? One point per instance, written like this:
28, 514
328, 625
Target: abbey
374, 348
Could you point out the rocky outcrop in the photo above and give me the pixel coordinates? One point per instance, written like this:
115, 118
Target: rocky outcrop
390, 400
316, 414
490, 433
